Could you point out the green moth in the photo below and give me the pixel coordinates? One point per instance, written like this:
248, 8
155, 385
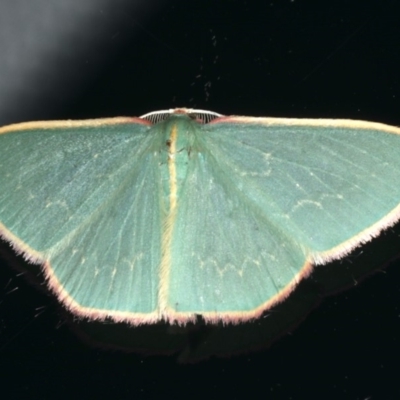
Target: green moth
186, 212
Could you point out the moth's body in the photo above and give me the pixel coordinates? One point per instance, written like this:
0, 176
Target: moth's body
178, 148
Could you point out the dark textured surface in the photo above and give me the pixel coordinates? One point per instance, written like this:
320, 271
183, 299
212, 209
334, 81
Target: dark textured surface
107, 58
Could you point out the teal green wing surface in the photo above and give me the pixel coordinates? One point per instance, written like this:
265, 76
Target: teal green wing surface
266, 199
83, 198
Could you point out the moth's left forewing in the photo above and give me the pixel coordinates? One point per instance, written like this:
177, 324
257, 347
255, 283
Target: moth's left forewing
336, 182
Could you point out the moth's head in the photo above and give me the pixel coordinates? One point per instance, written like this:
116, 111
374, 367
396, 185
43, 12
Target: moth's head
200, 116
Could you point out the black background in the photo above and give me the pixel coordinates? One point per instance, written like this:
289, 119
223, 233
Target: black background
319, 59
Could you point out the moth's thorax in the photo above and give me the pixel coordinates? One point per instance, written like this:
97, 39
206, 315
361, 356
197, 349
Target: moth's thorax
179, 136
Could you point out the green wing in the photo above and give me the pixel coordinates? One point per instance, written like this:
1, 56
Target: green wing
267, 198
84, 198
222, 219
